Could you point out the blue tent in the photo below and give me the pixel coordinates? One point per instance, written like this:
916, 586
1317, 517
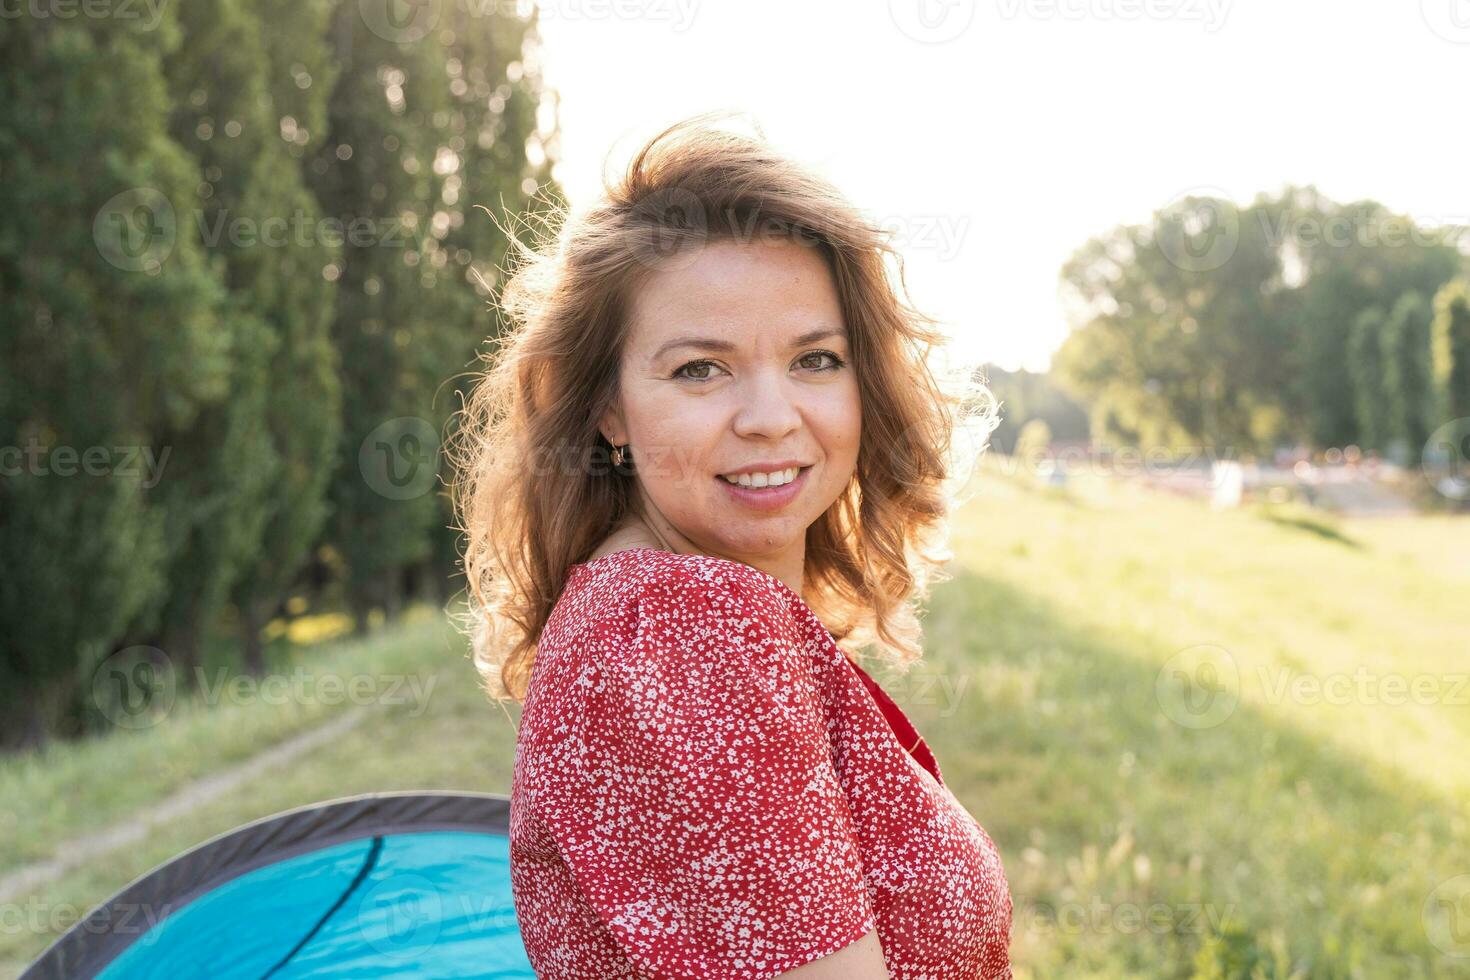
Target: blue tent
382, 885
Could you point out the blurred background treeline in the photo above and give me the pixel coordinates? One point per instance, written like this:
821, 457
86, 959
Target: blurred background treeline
1294, 322
241, 280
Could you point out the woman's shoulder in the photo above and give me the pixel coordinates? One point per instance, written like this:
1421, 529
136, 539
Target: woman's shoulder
646, 608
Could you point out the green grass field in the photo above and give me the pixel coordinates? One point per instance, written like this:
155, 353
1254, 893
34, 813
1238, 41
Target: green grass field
1208, 744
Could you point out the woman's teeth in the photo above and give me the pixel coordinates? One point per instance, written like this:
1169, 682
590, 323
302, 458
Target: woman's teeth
776, 479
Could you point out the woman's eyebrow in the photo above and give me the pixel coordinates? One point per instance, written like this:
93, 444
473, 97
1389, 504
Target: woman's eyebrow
725, 346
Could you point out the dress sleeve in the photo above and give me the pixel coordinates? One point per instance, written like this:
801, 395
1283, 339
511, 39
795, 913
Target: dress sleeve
695, 801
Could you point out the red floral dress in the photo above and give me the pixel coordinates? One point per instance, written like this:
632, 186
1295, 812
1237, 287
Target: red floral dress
706, 786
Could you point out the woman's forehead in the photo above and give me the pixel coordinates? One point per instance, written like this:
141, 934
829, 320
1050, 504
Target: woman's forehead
737, 296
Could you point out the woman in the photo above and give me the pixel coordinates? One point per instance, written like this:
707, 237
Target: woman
705, 784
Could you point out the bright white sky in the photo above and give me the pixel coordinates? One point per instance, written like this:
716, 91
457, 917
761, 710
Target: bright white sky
999, 150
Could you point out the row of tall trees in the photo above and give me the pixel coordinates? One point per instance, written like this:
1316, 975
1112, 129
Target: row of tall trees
239, 261
1294, 320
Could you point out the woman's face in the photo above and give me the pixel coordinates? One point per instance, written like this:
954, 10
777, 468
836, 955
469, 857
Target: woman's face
738, 361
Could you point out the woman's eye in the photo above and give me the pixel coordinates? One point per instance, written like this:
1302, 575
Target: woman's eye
837, 362
695, 366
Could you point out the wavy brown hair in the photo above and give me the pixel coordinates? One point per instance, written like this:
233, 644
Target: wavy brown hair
533, 493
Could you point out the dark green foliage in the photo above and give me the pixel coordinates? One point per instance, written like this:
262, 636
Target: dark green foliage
1365, 362
1365, 256
1451, 346
113, 331
291, 286
432, 128
216, 501
1407, 389
180, 276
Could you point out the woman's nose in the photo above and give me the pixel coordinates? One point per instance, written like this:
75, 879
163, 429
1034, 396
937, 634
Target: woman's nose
768, 406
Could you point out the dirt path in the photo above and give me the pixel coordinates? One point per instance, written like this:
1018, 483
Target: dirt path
80, 850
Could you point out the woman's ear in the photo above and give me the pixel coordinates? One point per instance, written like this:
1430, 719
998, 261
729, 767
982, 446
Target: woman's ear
612, 427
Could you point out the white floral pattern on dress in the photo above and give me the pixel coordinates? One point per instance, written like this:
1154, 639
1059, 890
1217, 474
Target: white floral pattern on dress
704, 787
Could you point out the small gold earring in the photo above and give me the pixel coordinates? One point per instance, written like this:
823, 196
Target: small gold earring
617, 456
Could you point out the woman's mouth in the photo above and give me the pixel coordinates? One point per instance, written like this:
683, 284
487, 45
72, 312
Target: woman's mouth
766, 491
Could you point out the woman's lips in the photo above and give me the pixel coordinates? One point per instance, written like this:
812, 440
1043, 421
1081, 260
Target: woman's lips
766, 498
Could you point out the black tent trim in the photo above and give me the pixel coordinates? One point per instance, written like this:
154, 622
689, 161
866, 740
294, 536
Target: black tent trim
88, 947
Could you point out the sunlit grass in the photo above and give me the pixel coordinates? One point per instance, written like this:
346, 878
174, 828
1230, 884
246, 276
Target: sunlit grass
1308, 824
